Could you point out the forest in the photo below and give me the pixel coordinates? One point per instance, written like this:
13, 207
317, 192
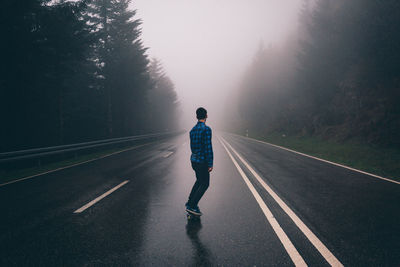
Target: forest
337, 77
74, 71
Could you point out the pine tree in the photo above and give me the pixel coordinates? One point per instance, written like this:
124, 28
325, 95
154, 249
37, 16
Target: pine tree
122, 64
66, 48
163, 100
45, 49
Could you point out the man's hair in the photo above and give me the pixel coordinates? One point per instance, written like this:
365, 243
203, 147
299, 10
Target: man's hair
201, 113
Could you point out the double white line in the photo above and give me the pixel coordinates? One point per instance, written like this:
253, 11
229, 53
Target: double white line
288, 245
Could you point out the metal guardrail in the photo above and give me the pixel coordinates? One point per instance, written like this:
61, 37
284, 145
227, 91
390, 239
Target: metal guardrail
46, 151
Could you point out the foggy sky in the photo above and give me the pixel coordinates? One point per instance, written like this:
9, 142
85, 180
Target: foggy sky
205, 45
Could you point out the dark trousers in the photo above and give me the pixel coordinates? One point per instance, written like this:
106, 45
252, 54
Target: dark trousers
201, 184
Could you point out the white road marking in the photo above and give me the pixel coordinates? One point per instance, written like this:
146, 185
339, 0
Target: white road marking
288, 245
329, 257
97, 199
72, 165
323, 160
168, 154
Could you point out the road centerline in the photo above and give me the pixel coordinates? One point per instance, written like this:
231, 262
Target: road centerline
323, 250
97, 199
287, 244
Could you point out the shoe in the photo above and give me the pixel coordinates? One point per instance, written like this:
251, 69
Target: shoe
195, 211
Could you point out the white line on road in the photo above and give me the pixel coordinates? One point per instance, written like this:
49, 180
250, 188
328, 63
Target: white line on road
97, 199
288, 245
168, 154
323, 160
329, 257
72, 165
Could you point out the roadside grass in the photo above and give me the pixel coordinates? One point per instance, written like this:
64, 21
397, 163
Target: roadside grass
373, 159
15, 174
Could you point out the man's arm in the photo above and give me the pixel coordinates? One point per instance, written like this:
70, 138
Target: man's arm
208, 148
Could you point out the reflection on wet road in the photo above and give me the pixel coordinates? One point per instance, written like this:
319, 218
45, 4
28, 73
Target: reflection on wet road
143, 222
201, 254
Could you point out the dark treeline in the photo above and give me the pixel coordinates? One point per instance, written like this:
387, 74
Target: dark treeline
77, 71
338, 78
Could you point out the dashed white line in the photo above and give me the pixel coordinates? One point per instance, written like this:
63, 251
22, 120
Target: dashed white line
323, 160
287, 244
329, 257
97, 199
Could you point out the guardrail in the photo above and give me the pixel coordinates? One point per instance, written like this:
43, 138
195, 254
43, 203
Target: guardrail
54, 150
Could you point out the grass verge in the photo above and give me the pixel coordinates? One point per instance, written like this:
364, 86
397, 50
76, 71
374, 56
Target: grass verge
11, 175
373, 159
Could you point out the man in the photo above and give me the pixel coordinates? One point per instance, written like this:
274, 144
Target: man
201, 159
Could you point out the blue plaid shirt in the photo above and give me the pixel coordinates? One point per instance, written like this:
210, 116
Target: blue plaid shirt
200, 144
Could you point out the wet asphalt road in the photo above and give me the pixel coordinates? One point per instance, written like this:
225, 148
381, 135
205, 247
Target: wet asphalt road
143, 223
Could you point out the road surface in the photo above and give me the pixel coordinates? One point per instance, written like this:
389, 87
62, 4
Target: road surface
265, 207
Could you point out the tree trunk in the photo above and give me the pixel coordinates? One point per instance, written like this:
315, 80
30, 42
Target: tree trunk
61, 114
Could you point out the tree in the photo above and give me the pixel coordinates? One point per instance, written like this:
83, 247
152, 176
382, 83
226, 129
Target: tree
122, 64
45, 48
162, 98
72, 71
346, 81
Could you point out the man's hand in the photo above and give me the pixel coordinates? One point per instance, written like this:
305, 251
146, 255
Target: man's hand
210, 169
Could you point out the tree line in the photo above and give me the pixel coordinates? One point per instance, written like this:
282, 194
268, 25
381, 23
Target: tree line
75, 71
337, 77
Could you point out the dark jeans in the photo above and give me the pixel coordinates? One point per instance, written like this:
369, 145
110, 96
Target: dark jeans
201, 184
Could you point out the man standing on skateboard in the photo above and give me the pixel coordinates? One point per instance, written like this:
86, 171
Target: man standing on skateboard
201, 159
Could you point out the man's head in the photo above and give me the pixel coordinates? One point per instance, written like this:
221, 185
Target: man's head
201, 114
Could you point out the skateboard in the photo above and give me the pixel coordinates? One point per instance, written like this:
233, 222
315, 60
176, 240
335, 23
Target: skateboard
191, 216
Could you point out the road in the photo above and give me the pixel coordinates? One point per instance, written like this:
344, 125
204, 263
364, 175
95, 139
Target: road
265, 207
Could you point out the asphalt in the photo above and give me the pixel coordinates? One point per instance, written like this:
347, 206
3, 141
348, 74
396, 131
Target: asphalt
143, 223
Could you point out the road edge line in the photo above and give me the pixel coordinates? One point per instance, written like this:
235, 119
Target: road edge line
323, 160
70, 166
287, 244
323, 250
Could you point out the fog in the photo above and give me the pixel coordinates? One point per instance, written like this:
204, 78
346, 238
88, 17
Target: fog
205, 46
76, 71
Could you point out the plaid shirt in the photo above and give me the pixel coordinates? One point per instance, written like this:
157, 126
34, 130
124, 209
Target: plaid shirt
200, 144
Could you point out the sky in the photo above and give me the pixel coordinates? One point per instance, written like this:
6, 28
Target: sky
206, 45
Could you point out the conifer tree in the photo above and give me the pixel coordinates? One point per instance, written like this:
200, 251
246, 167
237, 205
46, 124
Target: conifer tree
45, 49
122, 64
163, 101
